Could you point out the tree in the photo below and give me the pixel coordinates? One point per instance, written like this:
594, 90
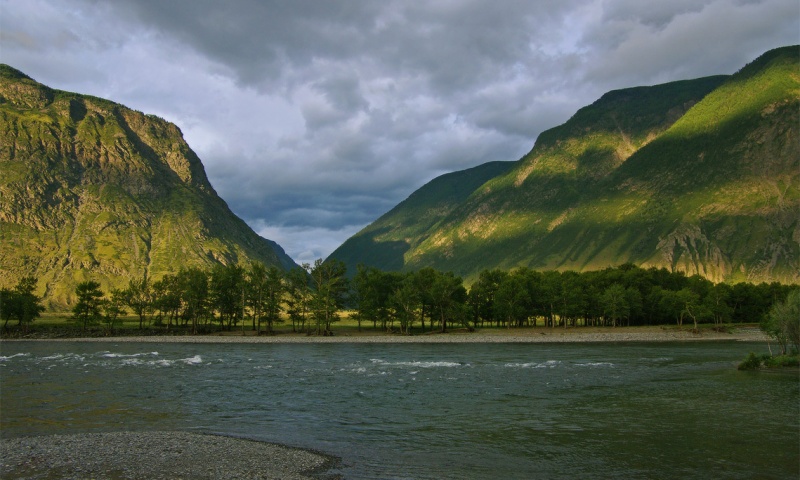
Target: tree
635, 304
6, 306
298, 296
87, 309
256, 293
273, 290
139, 298
167, 298
193, 293
615, 303
372, 289
406, 302
783, 322
448, 298
21, 303
570, 297
227, 289
329, 285
423, 281
512, 301
681, 304
482, 295
716, 303
113, 308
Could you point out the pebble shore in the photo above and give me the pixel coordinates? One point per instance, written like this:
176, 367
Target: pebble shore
156, 455
541, 335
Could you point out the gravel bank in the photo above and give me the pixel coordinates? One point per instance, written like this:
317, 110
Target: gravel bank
540, 335
156, 455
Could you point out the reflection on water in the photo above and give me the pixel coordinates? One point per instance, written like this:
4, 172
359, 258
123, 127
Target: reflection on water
430, 411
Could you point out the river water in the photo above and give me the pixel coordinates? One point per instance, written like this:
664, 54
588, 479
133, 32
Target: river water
431, 411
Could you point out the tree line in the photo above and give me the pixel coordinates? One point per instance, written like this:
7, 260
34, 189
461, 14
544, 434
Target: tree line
623, 295
313, 297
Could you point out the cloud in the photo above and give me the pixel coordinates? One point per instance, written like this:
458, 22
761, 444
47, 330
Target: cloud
314, 118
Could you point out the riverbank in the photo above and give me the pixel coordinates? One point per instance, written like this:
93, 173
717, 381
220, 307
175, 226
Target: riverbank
156, 455
526, 335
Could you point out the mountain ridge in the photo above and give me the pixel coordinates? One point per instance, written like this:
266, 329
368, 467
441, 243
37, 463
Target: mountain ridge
655, 176
93, 189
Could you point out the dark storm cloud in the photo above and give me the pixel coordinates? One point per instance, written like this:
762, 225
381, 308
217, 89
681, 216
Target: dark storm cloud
315, 117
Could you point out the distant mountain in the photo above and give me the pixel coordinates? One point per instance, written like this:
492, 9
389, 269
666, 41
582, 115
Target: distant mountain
700, 176
90, 189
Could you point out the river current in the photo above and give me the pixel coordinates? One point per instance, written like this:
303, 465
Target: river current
430, 411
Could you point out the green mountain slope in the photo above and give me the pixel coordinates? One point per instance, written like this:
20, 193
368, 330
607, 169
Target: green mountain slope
700, 176
92, 189
384, 242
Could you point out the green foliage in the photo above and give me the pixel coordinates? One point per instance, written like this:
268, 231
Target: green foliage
20, 303
328, 289
755, 362
227, 290
752, 362
783, 322
87, 310
113, 308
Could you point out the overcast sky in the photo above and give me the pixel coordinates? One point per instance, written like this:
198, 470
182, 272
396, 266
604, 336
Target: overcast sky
313, 118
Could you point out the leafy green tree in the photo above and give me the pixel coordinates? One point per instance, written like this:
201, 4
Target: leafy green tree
256, 293
328, 287
192, 285
21, 303
716, 303
423, 281
167, 299
512, 301
549, 295
6, 306
87, 309
113, 307
372, 290
139, 298
273, 290
615, 304
227, 292
482, 296
405, 301
448, 299
635, 303
783, 322
298, 296
571, 298
681, 304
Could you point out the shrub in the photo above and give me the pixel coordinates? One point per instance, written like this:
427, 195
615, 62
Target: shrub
752, 362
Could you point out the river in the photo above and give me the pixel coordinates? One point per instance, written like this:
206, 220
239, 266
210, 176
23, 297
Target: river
431, 411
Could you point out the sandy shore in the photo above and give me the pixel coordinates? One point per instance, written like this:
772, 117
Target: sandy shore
529, 335
156, 455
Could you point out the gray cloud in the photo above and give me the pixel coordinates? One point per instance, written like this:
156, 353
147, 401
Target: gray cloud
314, 118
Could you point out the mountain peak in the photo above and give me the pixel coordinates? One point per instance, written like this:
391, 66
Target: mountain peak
94, 189
699, 176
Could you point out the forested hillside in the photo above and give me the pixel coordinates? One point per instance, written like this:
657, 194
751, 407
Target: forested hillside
699, 176
93, 190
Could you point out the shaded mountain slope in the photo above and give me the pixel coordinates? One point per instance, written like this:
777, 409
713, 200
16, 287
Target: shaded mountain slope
93, 190
700, 176
384, 242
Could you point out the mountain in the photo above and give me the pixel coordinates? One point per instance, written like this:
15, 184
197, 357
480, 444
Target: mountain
700, 176
385, 242
91, 189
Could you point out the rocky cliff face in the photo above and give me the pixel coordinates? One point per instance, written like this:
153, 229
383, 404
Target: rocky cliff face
92, 189
700, 176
